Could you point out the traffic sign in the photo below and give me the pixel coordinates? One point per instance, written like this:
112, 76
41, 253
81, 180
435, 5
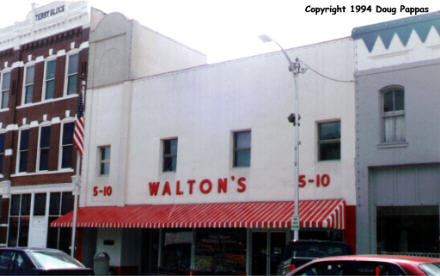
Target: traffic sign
295, 223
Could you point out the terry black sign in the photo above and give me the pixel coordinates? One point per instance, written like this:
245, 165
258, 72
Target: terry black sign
48, 13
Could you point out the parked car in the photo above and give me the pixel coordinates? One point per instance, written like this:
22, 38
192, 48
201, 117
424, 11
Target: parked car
297, 253
39, 261
370, 265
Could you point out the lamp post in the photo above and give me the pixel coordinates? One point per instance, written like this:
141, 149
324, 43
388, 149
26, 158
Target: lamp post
296, 68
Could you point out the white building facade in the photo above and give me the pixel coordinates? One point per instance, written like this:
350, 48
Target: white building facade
176, 161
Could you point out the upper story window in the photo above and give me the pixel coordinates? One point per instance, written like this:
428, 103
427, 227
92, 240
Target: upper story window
104, 161
67, 145
29, 84
393, 114
242, 149
169, 163
50, 79
44, 148
72, 74
23, 150
329, 141
6, 84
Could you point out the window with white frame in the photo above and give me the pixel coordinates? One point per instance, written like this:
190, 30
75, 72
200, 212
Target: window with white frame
6, 85
242, 149
72, 74
23, 149
19, 214
29, 84
169, 163
329, 141
104, 160
393, 99
67, 145
2, 151
50, 79
44, 147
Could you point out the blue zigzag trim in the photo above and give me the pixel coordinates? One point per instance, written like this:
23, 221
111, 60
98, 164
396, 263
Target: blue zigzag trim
402, 27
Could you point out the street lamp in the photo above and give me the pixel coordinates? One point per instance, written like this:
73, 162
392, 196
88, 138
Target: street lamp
295, 68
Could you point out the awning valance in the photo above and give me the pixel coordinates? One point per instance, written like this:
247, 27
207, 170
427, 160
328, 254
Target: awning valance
271, 214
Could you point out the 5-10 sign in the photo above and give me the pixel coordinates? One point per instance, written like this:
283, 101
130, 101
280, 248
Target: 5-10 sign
105, 191
321, 180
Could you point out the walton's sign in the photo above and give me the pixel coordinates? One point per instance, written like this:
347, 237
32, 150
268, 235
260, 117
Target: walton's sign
205, 186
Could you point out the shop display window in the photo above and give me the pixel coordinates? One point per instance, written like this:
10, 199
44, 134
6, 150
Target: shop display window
399, 229
59, 204
176, 256
220, 251
19, 220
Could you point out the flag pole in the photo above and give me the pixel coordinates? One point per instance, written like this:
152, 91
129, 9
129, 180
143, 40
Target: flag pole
76, 185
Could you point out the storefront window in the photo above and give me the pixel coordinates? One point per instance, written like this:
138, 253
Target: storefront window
220, 251
59, 204
19, 220
399, 228
176, 255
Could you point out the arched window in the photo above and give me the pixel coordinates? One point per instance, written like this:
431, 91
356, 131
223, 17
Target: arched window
393, 99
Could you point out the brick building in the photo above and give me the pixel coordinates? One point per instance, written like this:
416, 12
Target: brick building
41, 62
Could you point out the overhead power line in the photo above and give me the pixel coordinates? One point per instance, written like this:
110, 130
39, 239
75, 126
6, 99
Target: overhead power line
324, 76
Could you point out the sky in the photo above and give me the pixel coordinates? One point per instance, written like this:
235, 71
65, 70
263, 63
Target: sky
229, 29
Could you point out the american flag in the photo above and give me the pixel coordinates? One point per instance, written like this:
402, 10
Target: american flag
78, 133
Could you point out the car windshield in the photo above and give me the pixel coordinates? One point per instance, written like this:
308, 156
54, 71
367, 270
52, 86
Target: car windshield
54, 260
319, 250
430, 268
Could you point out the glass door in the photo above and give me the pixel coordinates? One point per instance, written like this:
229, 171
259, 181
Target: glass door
259, 253
277, 243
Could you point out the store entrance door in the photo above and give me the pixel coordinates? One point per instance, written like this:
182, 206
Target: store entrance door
277, 243
259, 253
149, 251
267, 248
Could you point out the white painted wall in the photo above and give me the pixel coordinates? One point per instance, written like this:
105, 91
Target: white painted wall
122, 49
397, 53
153, 53
202, 106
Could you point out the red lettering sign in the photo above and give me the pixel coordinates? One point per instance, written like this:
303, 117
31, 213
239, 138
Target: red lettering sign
206, 186
105, 191
166, 188
178, 191
191, 183
319, 179
242, 185
222, 185
154, 187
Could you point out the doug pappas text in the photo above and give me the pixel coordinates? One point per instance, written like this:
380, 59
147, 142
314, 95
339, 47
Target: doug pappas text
335, 9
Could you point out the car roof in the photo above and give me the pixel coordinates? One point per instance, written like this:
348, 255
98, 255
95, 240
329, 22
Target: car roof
27, 249
382, 258
318, 241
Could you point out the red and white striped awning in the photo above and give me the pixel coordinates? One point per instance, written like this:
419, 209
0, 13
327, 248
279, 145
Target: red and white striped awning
273, 214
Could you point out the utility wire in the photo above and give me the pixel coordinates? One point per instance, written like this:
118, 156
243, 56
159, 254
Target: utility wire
324, 76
